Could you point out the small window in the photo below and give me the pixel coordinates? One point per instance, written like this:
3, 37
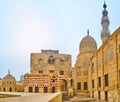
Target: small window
93, 83
61, 72
51, 71
53, 80
79, 85
51, 60
93, 65
106, 79
99, 81
85, 86
40, 60
61, 61
40, 71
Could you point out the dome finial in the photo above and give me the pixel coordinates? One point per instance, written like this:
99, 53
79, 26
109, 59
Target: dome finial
9, 71
88, 32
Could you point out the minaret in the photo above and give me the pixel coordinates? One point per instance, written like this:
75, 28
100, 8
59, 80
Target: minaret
105, 33
9, 71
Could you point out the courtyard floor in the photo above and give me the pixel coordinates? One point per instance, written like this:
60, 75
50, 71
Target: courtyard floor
28, 97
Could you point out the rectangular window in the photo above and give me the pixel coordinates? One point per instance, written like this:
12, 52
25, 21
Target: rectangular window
99, 81
85, 86
61, 72
40, 71
51, 71
93, 83
79, 85
92, 67
106, 79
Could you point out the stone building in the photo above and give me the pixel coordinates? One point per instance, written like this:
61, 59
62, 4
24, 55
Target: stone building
9, 84
104, 70
97, 71
49, 72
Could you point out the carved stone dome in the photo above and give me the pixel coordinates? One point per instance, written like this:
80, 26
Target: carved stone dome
9, 79
88, 44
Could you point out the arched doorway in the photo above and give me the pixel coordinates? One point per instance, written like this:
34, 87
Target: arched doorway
4, 89
98, 94
106, 96
45, 89
10, 90
64, 85
36, 89
30, 89
53, 89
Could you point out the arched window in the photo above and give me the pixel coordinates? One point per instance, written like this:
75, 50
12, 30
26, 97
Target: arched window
40, 60
111, 54
51, 60
10, 89
61, 61
4, 89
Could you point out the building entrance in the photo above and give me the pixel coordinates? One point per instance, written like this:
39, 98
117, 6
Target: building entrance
98, 94
45, 89
53, 89
36, 89
106, 96
10, 89
92, 94
30, 89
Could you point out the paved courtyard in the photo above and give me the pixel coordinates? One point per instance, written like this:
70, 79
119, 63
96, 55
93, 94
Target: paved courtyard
28, 97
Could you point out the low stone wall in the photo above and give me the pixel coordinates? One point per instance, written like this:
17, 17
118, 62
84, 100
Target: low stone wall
57, 98
8, 95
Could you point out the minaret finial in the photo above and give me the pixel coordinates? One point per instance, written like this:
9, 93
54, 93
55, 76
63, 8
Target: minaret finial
104, 6
9, 71
88, 32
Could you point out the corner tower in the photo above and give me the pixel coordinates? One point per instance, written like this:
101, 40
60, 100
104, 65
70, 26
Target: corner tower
105, 33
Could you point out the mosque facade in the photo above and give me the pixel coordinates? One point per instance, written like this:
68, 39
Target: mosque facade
9, 84
96, 72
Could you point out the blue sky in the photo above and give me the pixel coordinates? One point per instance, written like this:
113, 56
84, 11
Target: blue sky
28, 26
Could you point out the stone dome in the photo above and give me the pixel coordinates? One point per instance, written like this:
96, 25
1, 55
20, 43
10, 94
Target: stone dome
88, 44
9, 79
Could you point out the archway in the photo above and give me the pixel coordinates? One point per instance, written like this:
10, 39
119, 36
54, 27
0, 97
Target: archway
10, 90
45, 89
4, 89
64, 86
53, 89
30, 89
36, 89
